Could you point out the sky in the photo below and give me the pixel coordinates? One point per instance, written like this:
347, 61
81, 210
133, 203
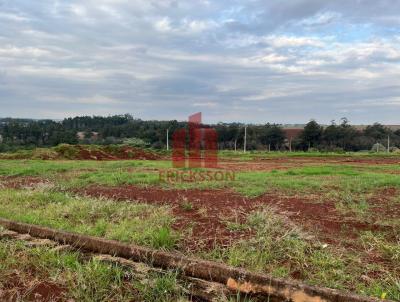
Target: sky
246, 61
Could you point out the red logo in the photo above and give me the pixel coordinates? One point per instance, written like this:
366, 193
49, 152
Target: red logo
196, 148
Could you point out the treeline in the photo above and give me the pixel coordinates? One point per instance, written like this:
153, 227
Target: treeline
25, 133
344, 137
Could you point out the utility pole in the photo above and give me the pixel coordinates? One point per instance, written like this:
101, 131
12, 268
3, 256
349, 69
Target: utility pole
167, 139
245, 139
388, 144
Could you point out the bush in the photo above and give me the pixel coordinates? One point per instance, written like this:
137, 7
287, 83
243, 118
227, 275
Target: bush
135, 142
67, 151
378, 148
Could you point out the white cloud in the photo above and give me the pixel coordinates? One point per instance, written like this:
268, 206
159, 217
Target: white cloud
184, 26
291, 41
13, 17
205, 104
78, 10
23, 51
294, 59
273, 58
320, 19
163, 25
198, 26
98, 100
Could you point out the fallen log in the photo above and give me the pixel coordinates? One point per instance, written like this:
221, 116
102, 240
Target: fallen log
235, 279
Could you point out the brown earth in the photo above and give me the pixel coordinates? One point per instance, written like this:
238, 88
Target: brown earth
212, 209
16, 289
85, 152
108, 153
15, 182
205, 212
268, 164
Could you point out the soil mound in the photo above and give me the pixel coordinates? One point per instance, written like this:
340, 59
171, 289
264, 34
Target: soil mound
111, 152
84, 152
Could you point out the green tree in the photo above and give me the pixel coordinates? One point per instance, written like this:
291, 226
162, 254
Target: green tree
274, 136
312, 134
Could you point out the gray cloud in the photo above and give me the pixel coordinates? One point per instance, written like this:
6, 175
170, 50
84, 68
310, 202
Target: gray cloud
234, 60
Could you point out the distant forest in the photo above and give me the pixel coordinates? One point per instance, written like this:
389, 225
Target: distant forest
26, 133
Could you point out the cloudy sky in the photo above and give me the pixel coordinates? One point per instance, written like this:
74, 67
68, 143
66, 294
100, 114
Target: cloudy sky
249, 61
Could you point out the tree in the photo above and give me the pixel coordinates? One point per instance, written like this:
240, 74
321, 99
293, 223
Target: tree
312, 134
346, 134
274, 136
331, 135
377, 131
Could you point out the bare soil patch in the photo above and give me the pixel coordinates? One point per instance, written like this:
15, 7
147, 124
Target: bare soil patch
15, 182
15, 289
211, 209
108, 153
383, 204
268, 164
204, 212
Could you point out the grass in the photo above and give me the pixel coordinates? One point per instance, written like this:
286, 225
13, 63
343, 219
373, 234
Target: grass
187, 205
251, 155
283, 250
276, 246
127, 222
161, 288
78, 279
301, 180
46, 168
378, 243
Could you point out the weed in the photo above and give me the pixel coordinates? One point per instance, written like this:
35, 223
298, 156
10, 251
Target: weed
164, 238
187, 206
129, 222
163, 288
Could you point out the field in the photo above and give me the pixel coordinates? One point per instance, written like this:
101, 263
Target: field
329, 220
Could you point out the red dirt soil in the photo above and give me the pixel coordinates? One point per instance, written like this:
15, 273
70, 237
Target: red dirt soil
107, 153
44, 291
212, 208
207, 216
268, 164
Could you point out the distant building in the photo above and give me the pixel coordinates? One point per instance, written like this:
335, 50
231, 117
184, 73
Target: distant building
292, 133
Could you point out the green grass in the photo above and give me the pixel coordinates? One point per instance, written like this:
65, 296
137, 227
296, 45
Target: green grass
80, 279
70, 174
283, 250
277, 247
162, 288
128, 222
251, 155
46, 168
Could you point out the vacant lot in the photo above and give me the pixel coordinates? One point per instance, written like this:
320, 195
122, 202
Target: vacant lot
329, 220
